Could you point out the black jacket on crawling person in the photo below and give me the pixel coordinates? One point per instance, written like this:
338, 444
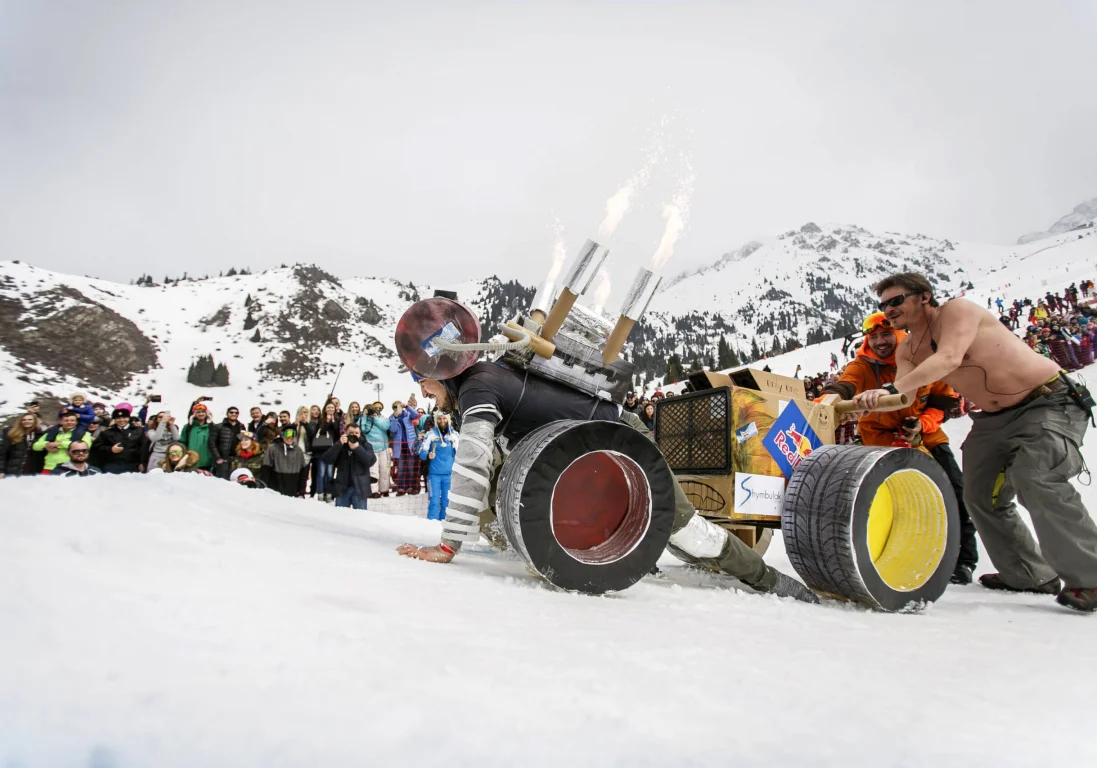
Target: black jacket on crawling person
527, 399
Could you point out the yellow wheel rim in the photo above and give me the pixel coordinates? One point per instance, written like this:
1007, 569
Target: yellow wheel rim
907, 530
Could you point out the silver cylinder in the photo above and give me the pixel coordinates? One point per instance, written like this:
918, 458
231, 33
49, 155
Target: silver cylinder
640, 293
544, 298
586, 266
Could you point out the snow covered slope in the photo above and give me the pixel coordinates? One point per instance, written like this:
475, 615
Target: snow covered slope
1084, 215
183, 621
282, 333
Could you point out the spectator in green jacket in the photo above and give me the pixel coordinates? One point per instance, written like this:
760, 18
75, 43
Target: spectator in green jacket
56, 441
195, 435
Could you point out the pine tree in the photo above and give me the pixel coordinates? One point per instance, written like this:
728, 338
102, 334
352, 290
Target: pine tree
221, 375
675, 371
250, 322
755, 350
256, 338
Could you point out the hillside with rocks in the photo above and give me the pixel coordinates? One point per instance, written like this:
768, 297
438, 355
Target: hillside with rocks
280, 337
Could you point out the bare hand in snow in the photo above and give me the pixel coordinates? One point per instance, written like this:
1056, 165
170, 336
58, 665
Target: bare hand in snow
431, 554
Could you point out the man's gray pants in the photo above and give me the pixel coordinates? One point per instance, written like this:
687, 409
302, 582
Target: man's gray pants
1036, 447
737, 559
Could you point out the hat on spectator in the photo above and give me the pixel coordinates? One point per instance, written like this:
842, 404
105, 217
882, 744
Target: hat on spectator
198, 407
241, 475
125, 407
120, 413
630, 394
657, 393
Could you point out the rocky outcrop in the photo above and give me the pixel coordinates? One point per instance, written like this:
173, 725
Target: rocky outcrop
64, 330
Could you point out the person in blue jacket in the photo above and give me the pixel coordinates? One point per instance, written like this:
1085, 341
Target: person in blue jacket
85, 411
440, 447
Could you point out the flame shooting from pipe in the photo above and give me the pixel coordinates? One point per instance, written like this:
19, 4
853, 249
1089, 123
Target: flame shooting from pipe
559, 251
602, 289
677, 216
618, 204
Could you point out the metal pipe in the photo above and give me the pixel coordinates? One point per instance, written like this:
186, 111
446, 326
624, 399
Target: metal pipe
636, 302
591, 258
586, 266
542, 301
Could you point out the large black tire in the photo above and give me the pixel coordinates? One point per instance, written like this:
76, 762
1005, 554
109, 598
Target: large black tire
904, 559
527, 495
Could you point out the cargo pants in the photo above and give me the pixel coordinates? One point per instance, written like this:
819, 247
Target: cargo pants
736, 559
1037, 448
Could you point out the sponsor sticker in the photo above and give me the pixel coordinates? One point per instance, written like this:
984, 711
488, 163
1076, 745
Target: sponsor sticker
746, 432
449, 332
759, 494
790, 439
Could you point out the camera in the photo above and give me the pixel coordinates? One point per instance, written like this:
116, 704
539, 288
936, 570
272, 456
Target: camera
154, 398
352, 438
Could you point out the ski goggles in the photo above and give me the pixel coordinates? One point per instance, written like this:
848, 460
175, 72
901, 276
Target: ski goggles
877, 321
290, 433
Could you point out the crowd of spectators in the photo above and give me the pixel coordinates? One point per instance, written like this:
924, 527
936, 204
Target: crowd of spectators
319, 452
1061, 327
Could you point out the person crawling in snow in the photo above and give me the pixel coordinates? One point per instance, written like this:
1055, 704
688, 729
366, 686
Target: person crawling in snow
491, 403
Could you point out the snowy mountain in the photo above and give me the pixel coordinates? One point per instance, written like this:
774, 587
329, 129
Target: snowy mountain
1084, 215
282, 334
799, 288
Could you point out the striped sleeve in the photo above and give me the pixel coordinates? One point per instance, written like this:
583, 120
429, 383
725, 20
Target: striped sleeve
471, 478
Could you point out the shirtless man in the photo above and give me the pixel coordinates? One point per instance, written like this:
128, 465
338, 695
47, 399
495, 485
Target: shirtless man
1029, 431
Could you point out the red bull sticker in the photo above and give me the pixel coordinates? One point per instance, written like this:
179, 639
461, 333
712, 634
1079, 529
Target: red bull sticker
790, 440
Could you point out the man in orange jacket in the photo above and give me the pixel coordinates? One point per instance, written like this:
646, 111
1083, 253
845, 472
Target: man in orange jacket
918, 423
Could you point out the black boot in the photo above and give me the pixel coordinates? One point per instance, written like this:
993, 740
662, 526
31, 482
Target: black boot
961, 574
1079, 599
994, 581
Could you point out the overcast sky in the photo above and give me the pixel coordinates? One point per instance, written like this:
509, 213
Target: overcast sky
441, 140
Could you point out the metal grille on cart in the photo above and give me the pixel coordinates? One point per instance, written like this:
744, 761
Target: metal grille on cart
694, 432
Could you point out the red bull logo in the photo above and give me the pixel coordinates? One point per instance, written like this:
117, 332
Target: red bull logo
790, 440
793, 444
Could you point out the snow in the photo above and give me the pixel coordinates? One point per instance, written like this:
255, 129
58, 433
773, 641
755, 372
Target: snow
179, 620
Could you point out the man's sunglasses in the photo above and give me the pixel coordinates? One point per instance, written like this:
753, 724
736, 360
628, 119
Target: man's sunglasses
234, 413
77, 452
895, 301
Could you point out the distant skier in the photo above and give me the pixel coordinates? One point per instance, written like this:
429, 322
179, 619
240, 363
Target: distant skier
833, 361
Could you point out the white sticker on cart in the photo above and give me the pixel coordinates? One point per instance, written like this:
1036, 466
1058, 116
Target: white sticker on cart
759, 494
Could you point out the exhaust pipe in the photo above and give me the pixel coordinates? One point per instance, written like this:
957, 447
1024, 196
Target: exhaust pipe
582, 273
632, 309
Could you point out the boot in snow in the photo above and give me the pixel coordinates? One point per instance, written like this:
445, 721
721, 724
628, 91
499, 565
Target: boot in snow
961, 574
1079, 599
994, 581
777, 583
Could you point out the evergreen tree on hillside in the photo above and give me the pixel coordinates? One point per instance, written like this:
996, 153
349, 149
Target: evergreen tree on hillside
221, 375
755, 350
675, 371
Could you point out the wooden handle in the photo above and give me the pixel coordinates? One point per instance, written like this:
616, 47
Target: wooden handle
885, 403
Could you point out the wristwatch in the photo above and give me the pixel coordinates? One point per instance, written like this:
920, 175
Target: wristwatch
890, 388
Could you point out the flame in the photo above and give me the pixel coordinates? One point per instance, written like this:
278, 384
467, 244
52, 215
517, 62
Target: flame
559, 251
677, 215
602, 290
618, 204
